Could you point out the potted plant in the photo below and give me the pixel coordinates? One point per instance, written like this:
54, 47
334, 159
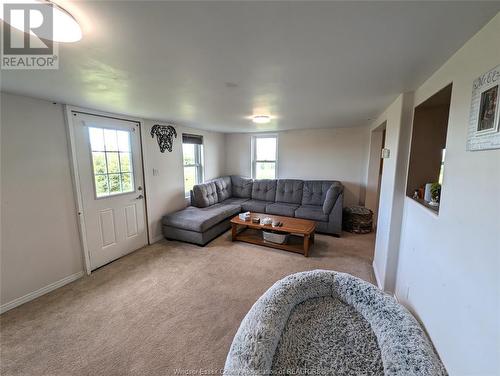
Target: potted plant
435, 194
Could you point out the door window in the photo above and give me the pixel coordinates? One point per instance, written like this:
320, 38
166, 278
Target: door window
111, 161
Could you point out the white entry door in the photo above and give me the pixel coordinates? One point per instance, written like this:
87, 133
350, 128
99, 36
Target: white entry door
108, 157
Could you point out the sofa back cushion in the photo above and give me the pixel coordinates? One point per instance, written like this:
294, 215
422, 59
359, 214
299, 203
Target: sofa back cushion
332, 195
205, 194
315, 191
224, 188
289, 191
264, 190
241, 187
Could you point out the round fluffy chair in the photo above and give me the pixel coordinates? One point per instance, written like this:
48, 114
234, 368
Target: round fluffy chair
328, 323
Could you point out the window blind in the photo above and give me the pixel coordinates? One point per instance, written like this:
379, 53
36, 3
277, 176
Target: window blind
192, 139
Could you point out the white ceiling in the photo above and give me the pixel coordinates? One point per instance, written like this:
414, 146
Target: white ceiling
211, 65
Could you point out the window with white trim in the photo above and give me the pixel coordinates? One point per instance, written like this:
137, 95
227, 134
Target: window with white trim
265, 151
192, 153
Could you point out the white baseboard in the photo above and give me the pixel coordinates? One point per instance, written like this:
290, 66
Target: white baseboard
377, 279
397, 299
156, 239
44, 290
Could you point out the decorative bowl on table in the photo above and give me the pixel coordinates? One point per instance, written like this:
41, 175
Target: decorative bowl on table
267, 221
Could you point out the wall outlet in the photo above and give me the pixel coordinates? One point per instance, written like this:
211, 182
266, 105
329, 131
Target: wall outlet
156, 172
386, 153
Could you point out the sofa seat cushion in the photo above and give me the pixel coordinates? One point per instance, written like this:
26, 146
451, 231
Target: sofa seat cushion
281, 208
205, 194
312, 212
235, 201
256, 206
200, 219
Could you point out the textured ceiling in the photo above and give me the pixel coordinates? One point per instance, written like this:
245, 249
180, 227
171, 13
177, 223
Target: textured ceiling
211, 65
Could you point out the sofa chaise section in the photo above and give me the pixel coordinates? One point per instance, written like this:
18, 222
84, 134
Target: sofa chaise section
208, 216
199, 225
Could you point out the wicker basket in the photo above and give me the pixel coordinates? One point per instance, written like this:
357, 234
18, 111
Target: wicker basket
357, 219
275, 237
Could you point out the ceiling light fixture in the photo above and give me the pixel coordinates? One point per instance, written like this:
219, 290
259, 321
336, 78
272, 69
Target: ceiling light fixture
64, 29
261, 119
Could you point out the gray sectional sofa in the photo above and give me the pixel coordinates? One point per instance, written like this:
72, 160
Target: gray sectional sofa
214, 203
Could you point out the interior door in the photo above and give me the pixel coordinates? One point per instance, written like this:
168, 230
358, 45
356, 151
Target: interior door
108, 156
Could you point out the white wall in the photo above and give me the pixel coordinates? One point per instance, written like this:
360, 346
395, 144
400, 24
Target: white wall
392, 189
238, 154
40, 240
165, 192
449, 268
40, 244
338, 154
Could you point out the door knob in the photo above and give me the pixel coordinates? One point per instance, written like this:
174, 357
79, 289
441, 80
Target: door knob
140, 197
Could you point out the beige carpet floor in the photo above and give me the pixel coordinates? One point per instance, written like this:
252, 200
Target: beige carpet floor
167, 309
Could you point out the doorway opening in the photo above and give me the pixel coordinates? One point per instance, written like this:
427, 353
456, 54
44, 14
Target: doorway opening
375, 169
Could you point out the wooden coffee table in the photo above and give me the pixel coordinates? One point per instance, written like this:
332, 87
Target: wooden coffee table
301, 232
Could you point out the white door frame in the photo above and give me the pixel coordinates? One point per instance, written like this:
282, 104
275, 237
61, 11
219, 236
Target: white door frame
68, 110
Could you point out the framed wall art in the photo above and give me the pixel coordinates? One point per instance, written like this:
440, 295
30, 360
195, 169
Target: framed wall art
484, 132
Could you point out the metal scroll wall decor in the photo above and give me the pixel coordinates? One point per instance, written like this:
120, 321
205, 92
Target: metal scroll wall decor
165, 135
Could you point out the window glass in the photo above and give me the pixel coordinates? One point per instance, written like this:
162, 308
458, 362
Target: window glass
101, 185
111, 161
264, 163
265, 149
188, 151
127, 183
189, 178
193, 168
114, 183
96, 136
99, 159
265, 170
110, 141
123, 140
441, 168
125, 165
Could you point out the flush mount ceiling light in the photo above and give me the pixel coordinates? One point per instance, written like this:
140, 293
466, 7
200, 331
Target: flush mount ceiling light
261, 119
64, 26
